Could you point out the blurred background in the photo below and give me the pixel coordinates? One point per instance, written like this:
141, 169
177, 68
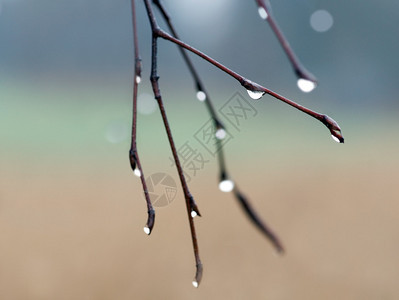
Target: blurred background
72, 212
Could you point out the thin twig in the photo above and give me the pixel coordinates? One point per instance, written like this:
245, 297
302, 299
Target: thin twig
253, 216
256, 89
265, 12
198, 82
192, 209
133, 154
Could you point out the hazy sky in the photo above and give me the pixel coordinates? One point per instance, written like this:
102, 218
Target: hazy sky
356, 54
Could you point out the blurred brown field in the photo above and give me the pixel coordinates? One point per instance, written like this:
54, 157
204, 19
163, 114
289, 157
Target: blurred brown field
72, 229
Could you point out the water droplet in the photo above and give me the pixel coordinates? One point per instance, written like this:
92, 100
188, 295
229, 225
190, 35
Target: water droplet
201, 96
262, 13
138, 79
220, 134
226, 185
335, 139
147, 230
306, 85
255, 94
193, 214
195, 283
137, 172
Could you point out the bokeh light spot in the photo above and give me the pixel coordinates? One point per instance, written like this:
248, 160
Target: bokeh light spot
321, 20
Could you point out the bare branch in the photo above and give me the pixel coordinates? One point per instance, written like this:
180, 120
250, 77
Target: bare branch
192, 209
255, 90
133, 154
252, 215
306, 80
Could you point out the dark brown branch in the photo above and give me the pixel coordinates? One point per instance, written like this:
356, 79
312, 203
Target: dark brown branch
252, 215
256, 90
199, 86
198, 82
133, 154
192, 209
305, 77
218, 126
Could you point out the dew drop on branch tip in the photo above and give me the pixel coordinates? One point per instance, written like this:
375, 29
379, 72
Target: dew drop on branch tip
306, 85
147, 230
335, 139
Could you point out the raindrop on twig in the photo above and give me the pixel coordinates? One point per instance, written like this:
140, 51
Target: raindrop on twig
137, 172
262, 13
255, 94
220, 133
201, 96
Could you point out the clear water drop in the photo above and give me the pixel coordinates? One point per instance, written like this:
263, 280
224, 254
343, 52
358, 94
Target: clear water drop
306, 85
335, 139
262, 13
220, 134
137, 172
138, 79
147, 230
226, 185
255, 94
193, 214
195, 283
201, 96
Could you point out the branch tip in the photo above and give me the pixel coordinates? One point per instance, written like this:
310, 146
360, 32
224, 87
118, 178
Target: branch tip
266, 231
150, 222
194, 211
198, 275
334, 128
